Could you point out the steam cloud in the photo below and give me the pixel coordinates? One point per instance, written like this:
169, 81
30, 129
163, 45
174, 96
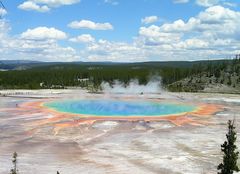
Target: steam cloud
154, 85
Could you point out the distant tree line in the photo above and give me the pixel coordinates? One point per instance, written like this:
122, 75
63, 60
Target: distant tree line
65, 75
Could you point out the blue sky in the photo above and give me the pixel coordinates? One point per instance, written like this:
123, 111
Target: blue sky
119, 30
125, 17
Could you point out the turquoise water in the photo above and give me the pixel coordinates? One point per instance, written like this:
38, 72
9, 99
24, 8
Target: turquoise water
118, 107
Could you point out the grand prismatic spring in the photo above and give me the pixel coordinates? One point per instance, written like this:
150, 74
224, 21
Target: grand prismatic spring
114, 108
73, 131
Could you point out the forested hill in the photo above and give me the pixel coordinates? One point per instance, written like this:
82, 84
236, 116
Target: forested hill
176, 76
223, 78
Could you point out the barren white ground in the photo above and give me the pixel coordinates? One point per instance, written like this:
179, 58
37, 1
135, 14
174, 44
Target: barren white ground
113, 147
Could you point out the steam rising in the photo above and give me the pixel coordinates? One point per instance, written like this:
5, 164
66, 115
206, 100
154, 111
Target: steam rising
154, 85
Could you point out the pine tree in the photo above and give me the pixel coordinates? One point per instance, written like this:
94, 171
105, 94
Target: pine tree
229, 164
14, 161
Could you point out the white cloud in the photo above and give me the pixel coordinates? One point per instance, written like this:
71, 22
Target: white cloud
86, 24
45, 5
193, 43
56, 3
43, 33
4, 29
216, 20
180, 1
12, 47
3, 12
149, 19
207, 3
230, 4
84, 38
104, 50
213, 33
32, 6
43, 50
154, 36
112, 2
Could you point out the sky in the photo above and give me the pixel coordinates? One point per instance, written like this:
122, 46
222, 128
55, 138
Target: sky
119, 30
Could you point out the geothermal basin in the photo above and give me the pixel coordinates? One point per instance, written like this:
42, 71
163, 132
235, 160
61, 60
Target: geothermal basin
72, 131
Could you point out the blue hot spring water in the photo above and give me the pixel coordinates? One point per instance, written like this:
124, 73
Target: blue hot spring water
118, 107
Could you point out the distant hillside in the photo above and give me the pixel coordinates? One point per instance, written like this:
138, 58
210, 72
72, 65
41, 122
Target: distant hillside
12, 62
223, 78
16, 64
27, 64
